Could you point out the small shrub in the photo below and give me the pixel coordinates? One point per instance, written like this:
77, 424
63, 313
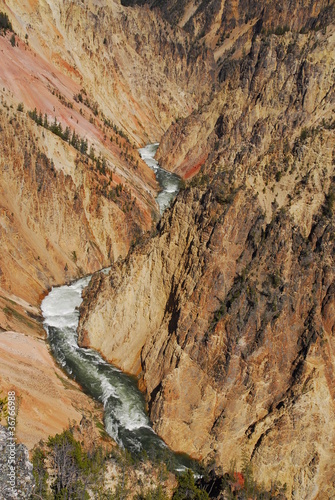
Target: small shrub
187, 488
303, 134
12, 40
5, 23
281, 30
3, 407
20, 107
329, 202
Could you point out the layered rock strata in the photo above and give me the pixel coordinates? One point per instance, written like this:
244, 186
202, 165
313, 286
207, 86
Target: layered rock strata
227, 314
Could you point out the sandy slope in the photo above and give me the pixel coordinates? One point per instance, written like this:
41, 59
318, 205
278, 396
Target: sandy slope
46, 401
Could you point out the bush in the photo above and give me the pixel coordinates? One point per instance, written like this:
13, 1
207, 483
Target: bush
187, 488
3, 407
20, 107
281, 30
40, 474
304, 134
75, 468
12, 40
5, 23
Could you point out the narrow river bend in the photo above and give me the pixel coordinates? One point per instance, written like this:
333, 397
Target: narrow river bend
125, 417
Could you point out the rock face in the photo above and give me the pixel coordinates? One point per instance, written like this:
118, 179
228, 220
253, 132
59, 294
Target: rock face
46, 401
142, 73
266, 84
55, 223
104, 72
227, 314
23, 473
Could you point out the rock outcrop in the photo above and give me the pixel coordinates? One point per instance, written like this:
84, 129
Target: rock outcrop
226, 315
56, 222
24, 480
269, 81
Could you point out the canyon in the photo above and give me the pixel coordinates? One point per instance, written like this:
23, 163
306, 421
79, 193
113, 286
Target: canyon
71, 207
224, 310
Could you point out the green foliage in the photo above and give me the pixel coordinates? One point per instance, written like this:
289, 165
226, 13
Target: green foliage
275, 279
5, 23
304, 134
187, 488
12, 40
278, 175
249, 483
66, 135
40, 474
74, 256
152, 494
281, 30
75, 469
199, 180
20, 107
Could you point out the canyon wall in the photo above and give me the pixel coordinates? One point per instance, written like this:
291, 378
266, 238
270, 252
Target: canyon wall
81, 86
226, 315
104, 73
56, 224
142, 73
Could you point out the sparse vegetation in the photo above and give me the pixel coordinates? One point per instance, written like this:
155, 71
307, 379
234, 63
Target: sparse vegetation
329, 202
72, 470
187, 488
5, 23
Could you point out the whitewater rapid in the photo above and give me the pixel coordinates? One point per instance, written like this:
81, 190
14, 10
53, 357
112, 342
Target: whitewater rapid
169, 182
125, 416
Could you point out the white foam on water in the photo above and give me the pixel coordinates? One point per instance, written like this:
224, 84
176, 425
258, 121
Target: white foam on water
169, 182
60, 311
107, 389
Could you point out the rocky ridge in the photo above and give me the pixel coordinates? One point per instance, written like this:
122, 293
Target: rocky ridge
121, 57
227, 314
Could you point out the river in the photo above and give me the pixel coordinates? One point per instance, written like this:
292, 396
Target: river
169, 182
125, 417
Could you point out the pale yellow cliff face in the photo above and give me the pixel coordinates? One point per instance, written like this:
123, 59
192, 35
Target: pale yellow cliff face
61, 218
228, 311
227, 314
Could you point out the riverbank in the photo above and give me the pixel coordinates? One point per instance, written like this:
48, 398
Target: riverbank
46, 400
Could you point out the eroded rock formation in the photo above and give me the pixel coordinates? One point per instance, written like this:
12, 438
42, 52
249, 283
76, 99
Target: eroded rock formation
226, 315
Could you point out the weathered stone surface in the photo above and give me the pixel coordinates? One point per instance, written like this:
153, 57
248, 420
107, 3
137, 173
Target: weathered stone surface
24, 480
227, 313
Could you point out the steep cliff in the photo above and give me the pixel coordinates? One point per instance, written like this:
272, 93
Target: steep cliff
142, 72
102, 79
57, 220
270, 78
227, 314
24, 481
82, 84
